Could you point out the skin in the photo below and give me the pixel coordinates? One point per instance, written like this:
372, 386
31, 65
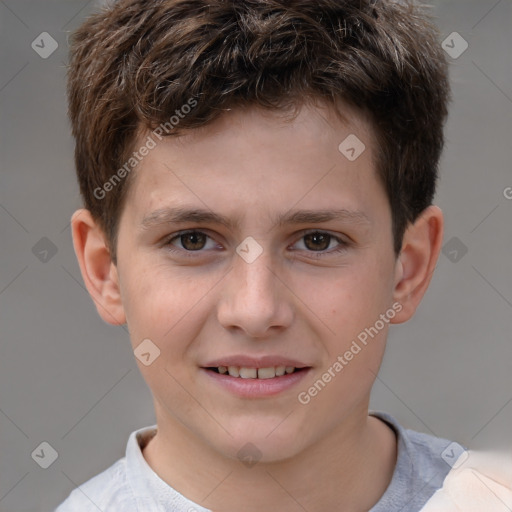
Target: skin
296, 299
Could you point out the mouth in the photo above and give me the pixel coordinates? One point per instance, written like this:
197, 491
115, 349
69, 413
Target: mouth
242, 372
247, 377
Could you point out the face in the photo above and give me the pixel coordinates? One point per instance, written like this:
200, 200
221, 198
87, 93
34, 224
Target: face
256, 244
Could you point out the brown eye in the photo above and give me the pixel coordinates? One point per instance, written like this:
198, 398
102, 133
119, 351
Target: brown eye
193, 241
317, 241
321, 244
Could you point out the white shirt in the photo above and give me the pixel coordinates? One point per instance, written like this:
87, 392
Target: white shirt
130, 485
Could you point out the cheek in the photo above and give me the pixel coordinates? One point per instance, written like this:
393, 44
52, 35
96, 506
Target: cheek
351, 305
351, 297
150, 304
166, 311
165, 308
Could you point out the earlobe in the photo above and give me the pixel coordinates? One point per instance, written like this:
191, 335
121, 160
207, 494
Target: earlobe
98, 271
417, 261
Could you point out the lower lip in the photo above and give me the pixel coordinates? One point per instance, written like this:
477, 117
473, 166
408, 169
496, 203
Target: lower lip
257, 388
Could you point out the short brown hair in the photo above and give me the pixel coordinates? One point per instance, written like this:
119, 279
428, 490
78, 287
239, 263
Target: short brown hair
136, 63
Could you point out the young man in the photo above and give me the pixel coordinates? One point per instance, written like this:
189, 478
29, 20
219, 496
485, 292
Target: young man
258, 179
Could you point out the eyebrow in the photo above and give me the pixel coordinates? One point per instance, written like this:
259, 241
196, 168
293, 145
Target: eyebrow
192, 215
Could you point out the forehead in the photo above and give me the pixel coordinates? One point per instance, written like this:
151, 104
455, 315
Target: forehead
252, 160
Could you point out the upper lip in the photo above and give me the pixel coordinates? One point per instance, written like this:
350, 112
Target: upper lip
245, 361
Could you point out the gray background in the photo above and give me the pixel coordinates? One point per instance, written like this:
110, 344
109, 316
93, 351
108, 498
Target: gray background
71, 380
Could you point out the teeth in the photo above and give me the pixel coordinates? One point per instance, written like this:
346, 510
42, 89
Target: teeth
266, 373
280, 371
248, 373
233, 371
256, 373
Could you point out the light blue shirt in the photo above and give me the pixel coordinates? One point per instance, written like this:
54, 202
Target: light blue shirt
130, 485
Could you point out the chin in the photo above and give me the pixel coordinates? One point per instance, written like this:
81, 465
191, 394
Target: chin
260, 441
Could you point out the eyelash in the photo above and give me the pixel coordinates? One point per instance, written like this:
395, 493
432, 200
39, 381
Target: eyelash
343, 245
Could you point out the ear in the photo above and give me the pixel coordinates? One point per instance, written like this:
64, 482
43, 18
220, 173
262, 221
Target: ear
417, 261
98, 271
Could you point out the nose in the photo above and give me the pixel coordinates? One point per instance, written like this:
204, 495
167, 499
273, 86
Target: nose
254, 299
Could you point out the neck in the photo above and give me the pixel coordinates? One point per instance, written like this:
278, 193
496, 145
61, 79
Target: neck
332, 474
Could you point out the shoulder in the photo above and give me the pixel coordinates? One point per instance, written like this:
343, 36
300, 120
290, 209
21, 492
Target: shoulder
423, 461
424, 454
107, 491
478, 481
429, 453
